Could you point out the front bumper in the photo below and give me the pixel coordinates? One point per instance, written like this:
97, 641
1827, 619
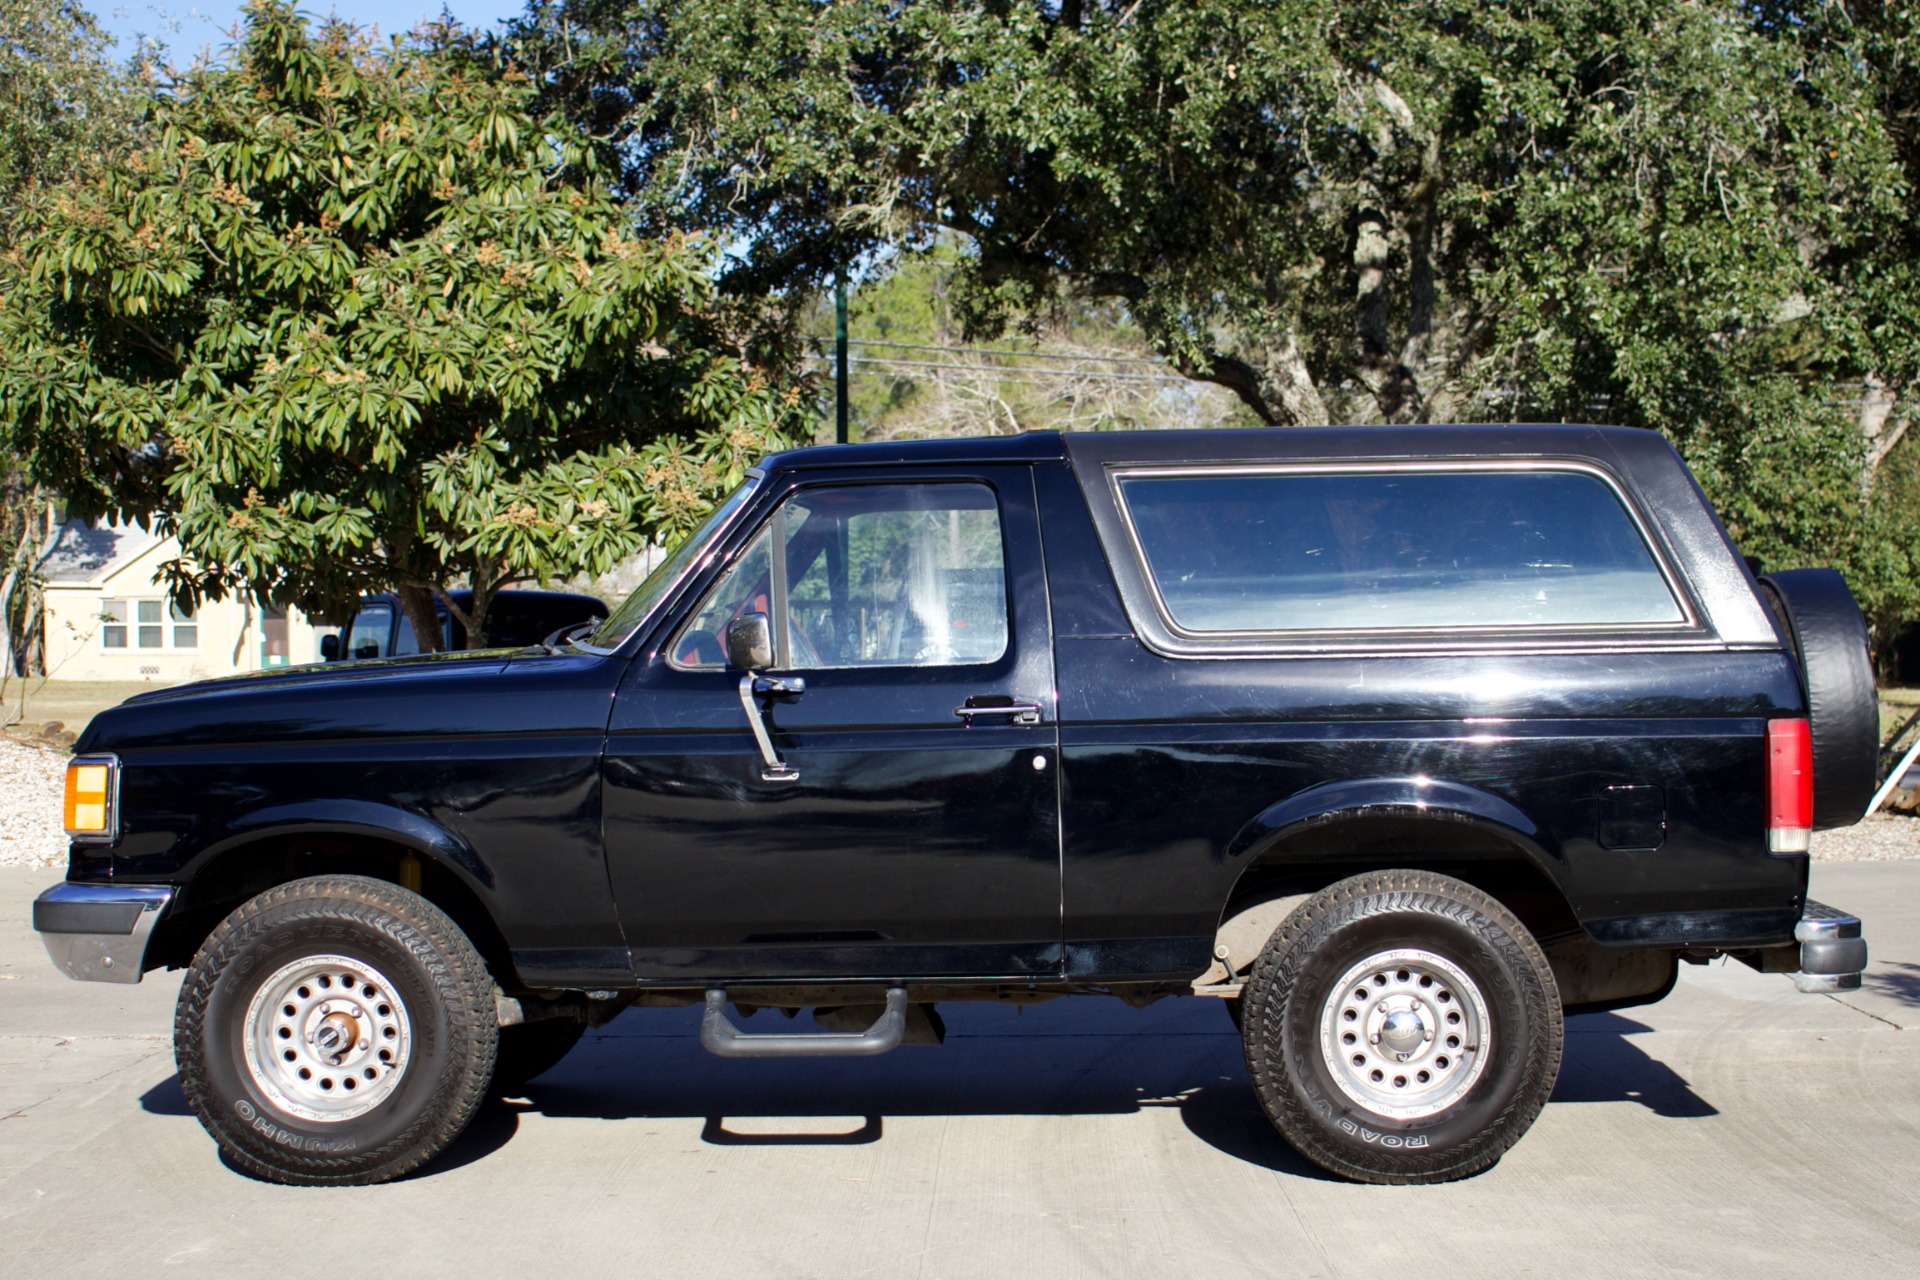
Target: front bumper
99, 932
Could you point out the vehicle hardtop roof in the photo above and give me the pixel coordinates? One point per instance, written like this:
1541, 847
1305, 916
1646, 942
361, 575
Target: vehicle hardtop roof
1384, 443
1028, 446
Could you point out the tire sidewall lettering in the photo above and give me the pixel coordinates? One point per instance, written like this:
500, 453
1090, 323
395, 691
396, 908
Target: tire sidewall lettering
1350, 922
257, 941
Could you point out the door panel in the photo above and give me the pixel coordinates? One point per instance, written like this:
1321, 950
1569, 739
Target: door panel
914, 841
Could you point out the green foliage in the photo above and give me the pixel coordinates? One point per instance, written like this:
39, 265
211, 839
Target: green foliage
1697, 218
63, 107
356, 317
62, 104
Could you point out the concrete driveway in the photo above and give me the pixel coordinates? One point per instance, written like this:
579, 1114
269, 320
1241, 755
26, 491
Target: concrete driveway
1736, 1129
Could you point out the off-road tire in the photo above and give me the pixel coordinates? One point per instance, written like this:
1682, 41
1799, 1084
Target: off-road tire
529, 1050
1291, 989
439, 980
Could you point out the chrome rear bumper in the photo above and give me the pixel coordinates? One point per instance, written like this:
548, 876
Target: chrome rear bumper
1832, 953
99, 932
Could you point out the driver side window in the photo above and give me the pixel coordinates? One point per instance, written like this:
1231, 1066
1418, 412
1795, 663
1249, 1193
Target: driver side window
872, 575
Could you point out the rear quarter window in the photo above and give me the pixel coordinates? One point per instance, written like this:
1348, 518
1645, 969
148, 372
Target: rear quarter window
1312, 551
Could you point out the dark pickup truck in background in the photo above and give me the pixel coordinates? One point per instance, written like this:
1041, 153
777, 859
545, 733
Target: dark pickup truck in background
515, 619
1400, 742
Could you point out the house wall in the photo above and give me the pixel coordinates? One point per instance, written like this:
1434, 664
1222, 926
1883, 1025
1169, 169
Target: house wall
227, 636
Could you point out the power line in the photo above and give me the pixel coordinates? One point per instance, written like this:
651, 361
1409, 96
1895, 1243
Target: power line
882, 365
1001, 351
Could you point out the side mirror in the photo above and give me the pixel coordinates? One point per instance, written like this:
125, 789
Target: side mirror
330, 648
750, 642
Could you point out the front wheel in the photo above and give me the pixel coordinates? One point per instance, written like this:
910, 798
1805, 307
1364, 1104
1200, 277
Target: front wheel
1402, 1027
335, 1030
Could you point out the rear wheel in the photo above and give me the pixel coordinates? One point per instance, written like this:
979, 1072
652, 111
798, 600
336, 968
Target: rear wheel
335, 1030
1402, 1027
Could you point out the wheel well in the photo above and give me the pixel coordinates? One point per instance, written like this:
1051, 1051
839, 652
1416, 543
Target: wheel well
237, 874
1326, 853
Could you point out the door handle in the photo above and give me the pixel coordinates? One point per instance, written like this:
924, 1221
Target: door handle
774, 769
1022, 712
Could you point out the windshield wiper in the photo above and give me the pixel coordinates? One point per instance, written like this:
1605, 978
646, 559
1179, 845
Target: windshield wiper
565, 635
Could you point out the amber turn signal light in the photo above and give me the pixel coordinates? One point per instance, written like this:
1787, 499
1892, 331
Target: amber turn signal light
87, 809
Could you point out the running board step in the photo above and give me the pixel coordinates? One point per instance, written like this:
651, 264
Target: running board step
721, 1038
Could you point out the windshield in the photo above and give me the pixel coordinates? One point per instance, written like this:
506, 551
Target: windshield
635, 608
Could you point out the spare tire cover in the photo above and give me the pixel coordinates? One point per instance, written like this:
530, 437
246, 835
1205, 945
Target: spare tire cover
1836, 672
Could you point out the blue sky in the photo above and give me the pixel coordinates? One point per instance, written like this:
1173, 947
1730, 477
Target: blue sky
188, 26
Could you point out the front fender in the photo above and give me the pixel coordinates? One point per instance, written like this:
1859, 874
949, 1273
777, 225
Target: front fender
363, 818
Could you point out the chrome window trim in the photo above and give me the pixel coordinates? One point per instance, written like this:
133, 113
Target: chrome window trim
755, 478
1168, 636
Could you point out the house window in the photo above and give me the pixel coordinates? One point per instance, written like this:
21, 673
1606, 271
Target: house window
146, 623
186, 635
113, 628
149, 634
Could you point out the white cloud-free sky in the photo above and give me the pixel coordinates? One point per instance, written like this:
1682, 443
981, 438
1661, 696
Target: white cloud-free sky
188, 26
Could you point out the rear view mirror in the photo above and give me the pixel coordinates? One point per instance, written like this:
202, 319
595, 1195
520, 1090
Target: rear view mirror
329, 648
750, 642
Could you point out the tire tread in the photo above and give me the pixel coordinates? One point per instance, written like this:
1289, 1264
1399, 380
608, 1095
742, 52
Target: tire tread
443, 953
1389, 892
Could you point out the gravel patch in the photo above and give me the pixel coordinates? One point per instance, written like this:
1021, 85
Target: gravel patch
1882, 837
31, 781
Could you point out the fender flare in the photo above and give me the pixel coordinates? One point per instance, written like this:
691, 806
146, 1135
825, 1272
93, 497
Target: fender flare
351, 818
1413, 797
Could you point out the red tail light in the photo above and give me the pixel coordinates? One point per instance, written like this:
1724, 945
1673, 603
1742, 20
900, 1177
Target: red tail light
1789, 786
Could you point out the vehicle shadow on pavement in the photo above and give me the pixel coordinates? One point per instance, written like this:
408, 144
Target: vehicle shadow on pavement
492, 1128
1896, 980
1602, 1064
1084, 1057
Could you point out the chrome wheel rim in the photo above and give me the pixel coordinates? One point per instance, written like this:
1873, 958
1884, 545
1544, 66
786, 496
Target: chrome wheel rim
1405, 1034
327, 1038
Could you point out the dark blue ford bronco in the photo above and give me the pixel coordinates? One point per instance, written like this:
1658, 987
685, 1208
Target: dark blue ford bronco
1400, 742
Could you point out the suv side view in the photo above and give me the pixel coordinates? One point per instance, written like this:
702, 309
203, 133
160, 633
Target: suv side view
1401, 743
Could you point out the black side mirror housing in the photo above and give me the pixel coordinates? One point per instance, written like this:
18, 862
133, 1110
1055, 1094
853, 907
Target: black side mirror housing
330, 648
750, 642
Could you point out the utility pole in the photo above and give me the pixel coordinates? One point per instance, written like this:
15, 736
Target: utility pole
840, 357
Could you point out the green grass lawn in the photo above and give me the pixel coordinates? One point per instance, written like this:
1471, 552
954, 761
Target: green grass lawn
1895, 706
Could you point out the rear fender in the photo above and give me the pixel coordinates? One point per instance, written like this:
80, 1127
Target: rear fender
1416, 797
1293, 847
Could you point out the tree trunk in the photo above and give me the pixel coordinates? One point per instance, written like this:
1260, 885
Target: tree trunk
486, 584
1880, 430
6, 625
1287, 386
417, 603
